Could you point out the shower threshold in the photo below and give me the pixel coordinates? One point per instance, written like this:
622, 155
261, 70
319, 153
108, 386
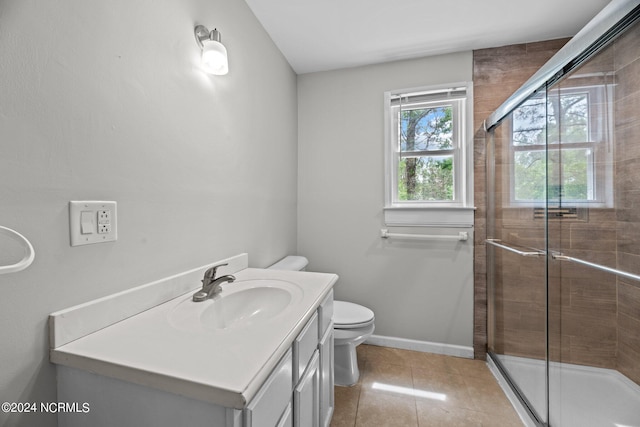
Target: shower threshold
579, 396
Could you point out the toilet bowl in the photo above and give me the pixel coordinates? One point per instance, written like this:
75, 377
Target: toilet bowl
352, 325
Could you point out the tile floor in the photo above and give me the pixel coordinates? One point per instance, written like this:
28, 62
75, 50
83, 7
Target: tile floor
404, 388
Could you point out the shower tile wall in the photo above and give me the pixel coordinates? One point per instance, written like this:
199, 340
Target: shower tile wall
497, 73
627, 124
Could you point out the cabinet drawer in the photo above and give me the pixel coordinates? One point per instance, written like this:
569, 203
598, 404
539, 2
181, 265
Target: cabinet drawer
325, 314
304, 346
268, 405
306, 396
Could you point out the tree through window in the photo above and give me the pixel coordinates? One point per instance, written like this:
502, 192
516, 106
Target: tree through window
554, 147
423, 173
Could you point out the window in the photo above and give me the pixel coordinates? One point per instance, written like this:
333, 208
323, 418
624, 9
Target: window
579, 167
426, 151
426, 147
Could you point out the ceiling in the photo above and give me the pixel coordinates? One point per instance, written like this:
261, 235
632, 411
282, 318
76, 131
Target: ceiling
319, 35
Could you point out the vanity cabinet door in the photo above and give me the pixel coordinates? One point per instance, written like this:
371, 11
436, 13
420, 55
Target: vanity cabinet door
326, 377
270, 404
287, 418
306, 396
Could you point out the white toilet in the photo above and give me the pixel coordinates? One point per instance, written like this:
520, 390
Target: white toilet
352, 325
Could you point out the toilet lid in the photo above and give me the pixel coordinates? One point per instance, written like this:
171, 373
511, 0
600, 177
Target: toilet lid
350, 315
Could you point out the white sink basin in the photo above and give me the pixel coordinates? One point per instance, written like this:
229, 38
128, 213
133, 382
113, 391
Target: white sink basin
241, 304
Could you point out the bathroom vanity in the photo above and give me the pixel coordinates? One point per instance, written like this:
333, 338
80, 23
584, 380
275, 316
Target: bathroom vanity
259, 354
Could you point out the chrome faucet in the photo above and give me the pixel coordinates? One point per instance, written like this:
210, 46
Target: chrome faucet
211, 284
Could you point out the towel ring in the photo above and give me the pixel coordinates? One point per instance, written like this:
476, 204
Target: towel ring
29, 253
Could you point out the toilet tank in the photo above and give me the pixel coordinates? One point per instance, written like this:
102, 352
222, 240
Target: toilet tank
291, 262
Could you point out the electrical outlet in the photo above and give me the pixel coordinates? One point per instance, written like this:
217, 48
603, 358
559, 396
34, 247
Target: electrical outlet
104, 217
92, 222
104, 221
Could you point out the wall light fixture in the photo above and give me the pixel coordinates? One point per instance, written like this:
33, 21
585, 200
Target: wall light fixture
214, 54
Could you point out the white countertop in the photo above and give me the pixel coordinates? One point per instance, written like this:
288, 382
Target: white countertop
225, 366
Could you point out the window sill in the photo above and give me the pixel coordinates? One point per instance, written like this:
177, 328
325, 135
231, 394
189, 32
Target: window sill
429, 216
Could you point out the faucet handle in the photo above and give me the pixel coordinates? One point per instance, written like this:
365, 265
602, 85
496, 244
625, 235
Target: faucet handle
211, 273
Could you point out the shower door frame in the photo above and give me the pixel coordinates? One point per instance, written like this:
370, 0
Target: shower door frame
491, 246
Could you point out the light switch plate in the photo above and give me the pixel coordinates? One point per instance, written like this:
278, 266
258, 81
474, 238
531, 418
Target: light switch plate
92, 221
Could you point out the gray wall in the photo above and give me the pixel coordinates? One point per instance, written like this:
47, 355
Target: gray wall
105, 100
418, 290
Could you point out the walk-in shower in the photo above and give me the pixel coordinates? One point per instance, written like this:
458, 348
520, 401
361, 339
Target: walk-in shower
563, 228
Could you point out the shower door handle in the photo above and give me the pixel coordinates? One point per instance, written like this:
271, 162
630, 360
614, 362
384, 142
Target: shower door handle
527, 252
561, 257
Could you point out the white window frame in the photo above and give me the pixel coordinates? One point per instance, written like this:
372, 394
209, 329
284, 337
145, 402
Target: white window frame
459, 211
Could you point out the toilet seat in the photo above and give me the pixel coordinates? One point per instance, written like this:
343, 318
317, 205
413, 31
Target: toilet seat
353, 335
347, 315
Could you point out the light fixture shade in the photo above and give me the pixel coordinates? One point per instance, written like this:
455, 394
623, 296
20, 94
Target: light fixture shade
214, 57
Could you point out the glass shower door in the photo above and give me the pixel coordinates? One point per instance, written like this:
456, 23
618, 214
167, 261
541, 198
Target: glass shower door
592, 181
516, 249
563, 247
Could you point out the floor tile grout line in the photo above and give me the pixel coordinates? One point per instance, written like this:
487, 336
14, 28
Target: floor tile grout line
355, 419
362, 374
415, 399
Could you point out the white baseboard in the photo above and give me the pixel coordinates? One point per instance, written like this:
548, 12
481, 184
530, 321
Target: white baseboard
423, 346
